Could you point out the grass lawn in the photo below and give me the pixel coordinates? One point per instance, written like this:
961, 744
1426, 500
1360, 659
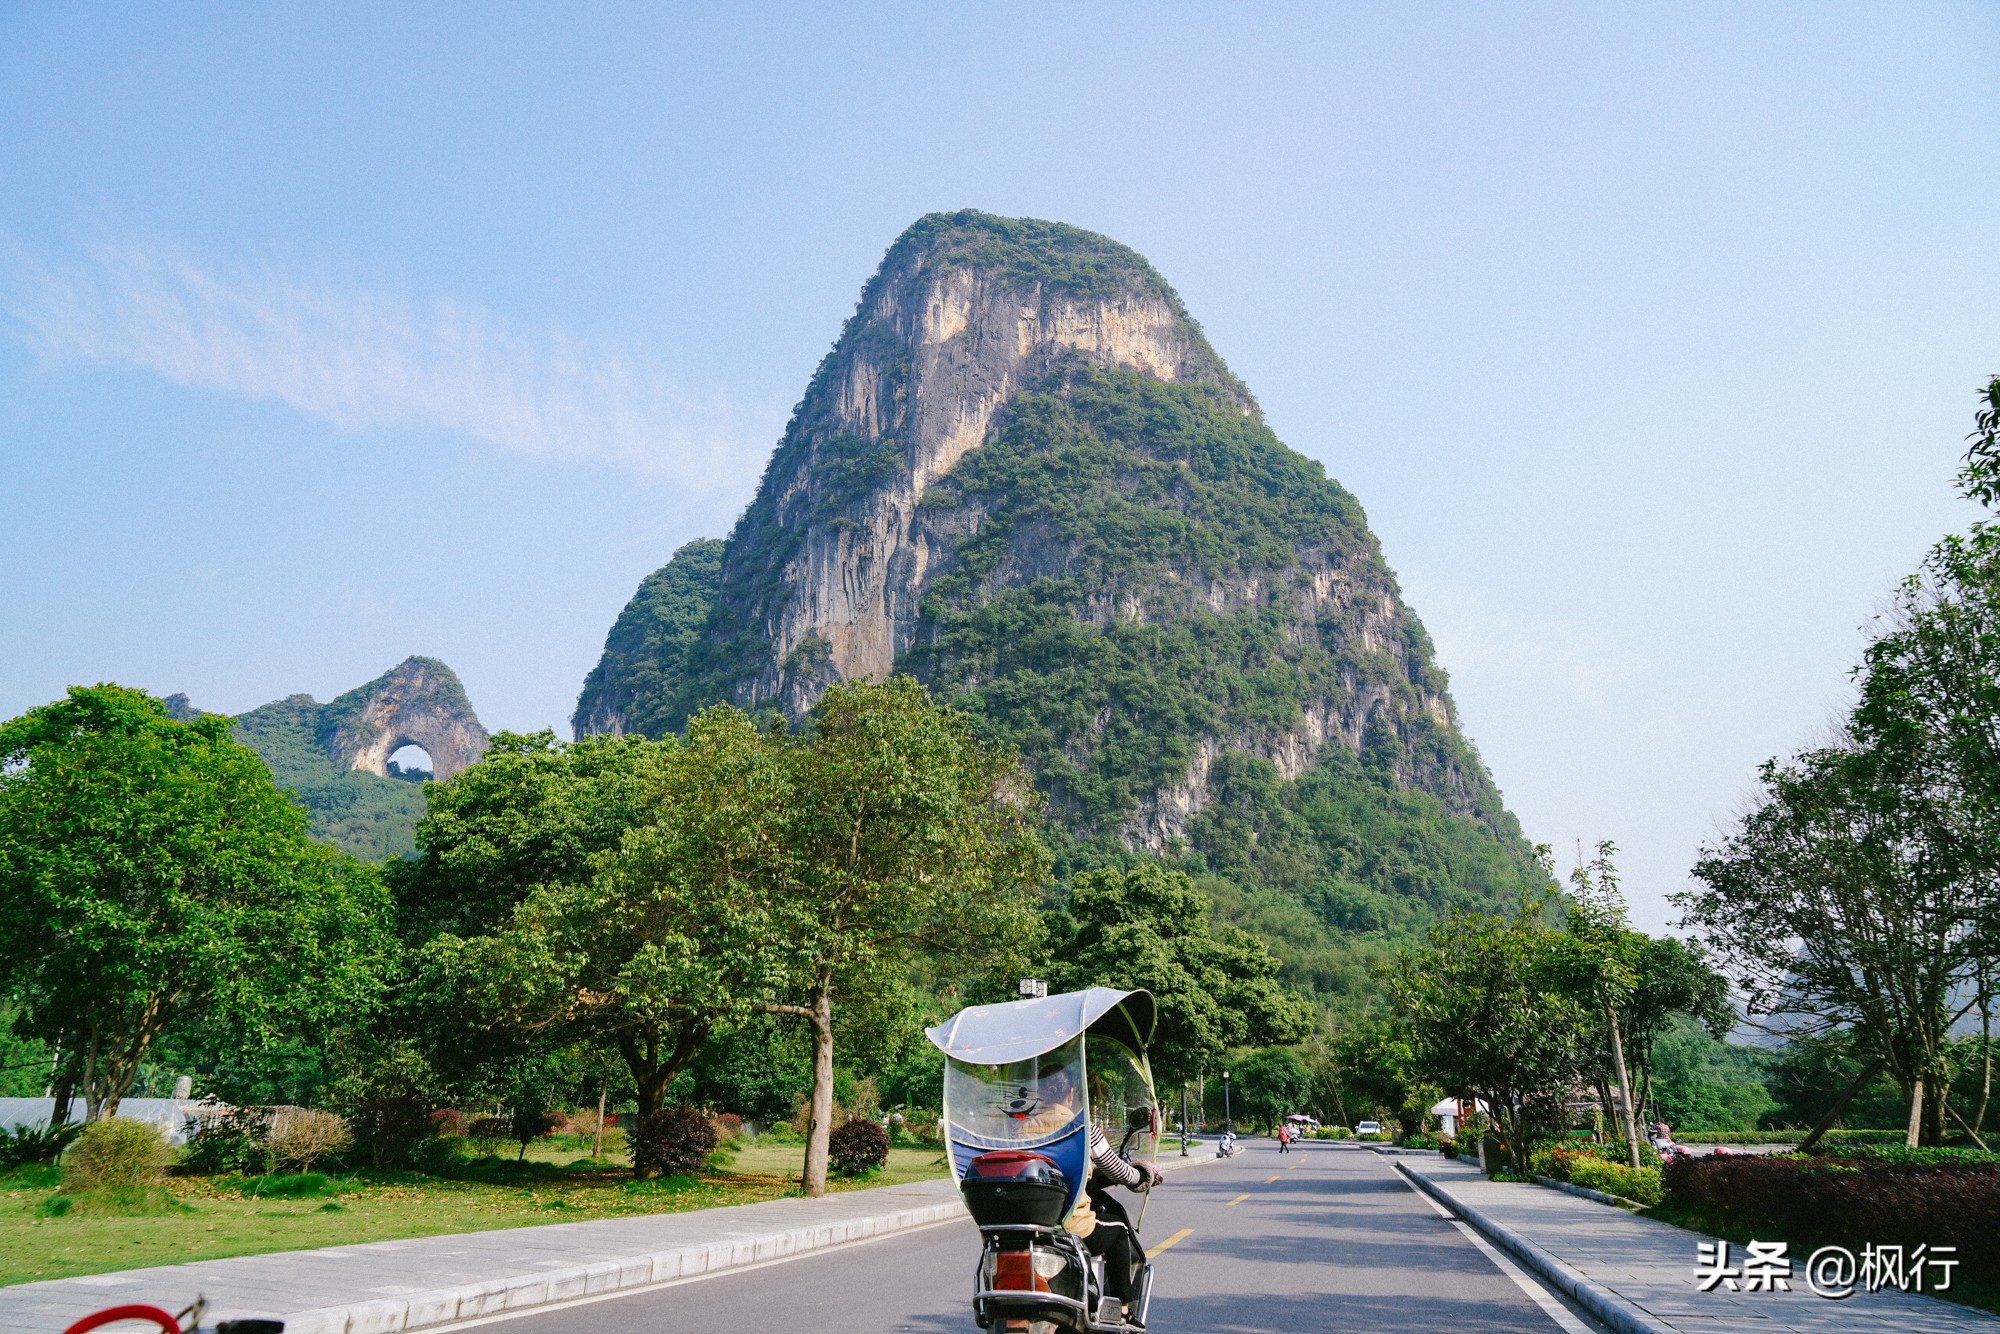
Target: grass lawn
212, 1217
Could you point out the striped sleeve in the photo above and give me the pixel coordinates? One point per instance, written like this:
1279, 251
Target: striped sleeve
1111, 1166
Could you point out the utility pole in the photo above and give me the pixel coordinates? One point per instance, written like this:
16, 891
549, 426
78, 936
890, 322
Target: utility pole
1228, 1125
1184, 1152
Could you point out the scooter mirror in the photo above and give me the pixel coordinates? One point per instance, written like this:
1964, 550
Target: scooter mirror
1138, 1118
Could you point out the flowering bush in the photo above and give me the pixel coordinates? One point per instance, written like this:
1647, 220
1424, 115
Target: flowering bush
447, 1123
858, 1147
674, 1141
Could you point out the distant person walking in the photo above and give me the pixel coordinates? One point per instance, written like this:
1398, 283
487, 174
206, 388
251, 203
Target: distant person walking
1284, 1138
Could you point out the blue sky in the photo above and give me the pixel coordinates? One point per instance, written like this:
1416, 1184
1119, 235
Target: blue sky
1646, 334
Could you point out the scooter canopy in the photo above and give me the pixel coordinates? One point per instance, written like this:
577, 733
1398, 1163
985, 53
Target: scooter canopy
1016, 1030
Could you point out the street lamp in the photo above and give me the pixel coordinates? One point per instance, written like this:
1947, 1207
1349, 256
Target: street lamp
1184, 1152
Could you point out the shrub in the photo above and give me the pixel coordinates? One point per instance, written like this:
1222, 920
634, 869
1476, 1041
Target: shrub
1897, 1153
387, 1129
488, 1133
528, 1123
23, 1145
673, 1141
859, 1147
1421, 1140
728, 1125
303, 1137
921, 1126
231, 1143
1788, 1137
1847, 1200
438, 1156
1333, 1132
120, 1155
1593, 1173
447, 1123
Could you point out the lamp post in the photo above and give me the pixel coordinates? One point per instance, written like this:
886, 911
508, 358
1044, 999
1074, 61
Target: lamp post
1184, 1152
1228, 1125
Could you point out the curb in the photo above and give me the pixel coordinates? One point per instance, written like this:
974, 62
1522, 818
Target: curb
1585, 1192
1602, 1303
525, 1292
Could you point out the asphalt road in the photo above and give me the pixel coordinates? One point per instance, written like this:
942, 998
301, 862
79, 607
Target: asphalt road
1324, 1238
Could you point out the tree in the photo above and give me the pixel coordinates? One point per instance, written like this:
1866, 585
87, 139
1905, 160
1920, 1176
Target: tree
533, 812
1378, 1068
1600, 957
1270, 1084
904, 837
1484, 1003
1832, 908
151, 874
1147, 927
677, 929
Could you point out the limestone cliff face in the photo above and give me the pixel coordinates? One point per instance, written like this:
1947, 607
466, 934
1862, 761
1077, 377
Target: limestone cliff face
939, 345
418, 702
1023, 474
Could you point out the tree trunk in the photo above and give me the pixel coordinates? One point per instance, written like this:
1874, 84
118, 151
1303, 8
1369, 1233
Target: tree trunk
597, 1143
1914, 1130
1624, 1087
822, 1095
1868, 1072
67, 1075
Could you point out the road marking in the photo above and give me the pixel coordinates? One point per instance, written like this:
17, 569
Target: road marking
1293, 1168
1537, 1294
1238, 1200
1269, 1180
1180, 1236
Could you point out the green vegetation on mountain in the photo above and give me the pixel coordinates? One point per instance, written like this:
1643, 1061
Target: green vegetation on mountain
1184, 627
643, 671
362, 814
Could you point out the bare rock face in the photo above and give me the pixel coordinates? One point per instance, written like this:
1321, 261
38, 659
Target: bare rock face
1023, 475
418, 702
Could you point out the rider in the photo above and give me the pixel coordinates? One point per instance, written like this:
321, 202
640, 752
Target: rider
1107, 1231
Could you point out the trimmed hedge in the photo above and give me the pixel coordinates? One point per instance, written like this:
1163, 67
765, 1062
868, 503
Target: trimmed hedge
674, 1141
1850, 1200
1787, 1136
859, 1147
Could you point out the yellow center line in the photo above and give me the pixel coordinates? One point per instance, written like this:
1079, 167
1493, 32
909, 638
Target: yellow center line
1238, 1200
1182, 1235
1293, 1168
1269, 1180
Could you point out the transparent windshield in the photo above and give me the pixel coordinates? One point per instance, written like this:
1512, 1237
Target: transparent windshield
1017, 1105
1121, 1100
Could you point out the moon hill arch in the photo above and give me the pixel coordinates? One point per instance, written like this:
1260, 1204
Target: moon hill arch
334, 758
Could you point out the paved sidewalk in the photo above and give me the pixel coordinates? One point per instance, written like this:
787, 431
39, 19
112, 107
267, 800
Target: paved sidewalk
380, 1287
1648, 1267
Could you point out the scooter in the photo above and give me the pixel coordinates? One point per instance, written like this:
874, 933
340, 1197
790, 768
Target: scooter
1024, 1084
1226, 1145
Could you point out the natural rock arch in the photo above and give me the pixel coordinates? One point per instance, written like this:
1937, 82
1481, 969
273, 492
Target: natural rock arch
417, 703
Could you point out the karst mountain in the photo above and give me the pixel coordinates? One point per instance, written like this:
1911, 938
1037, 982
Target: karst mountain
1023, 475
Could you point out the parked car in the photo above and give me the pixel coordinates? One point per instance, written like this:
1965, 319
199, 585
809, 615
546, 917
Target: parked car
1367, 1128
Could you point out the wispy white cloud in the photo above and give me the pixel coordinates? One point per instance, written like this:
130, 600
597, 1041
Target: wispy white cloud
367, 361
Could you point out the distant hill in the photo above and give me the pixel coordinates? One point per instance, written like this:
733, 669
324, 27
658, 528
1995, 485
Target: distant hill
1024, 475
335, 757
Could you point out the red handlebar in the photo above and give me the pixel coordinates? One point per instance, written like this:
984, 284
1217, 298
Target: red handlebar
117, 1313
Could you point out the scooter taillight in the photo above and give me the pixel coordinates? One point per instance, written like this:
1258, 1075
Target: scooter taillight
1014, 1271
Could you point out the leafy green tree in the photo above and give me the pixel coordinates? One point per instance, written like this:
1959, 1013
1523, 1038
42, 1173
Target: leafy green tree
678, 929
1599, 957
1270, 1084
904, 837
151, 874
1378, 1069
1488, 1012
1148, 927
535, 812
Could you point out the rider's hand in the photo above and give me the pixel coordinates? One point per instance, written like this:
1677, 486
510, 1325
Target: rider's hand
1158, 1177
